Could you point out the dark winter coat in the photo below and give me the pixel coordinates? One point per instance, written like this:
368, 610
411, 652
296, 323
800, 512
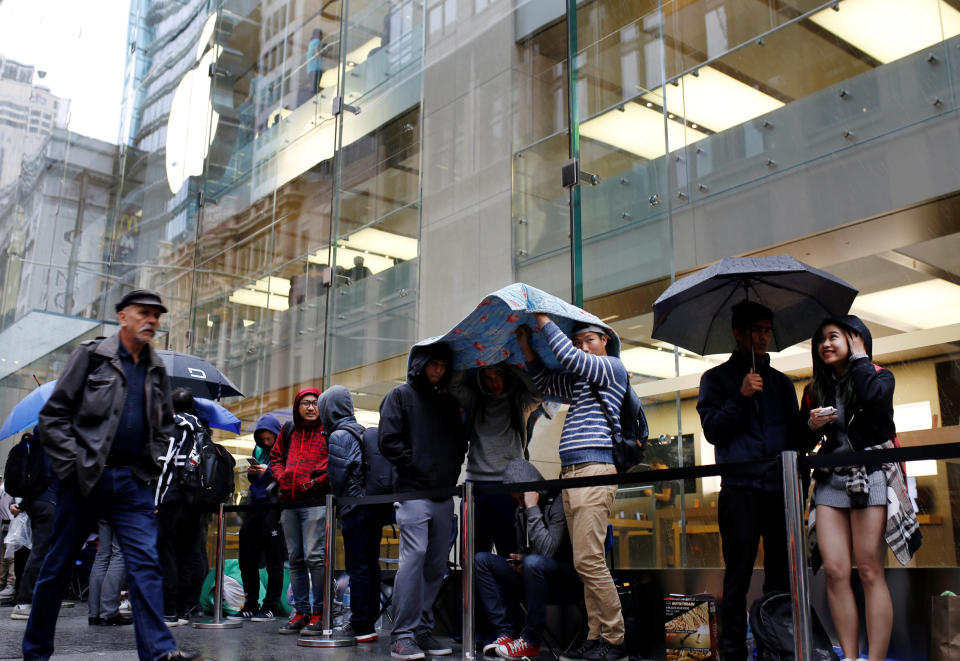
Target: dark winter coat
263, 486
748, 428
421, 430
345, 465
868, 423
79, 421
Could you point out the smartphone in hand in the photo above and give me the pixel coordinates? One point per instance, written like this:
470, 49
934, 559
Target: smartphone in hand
826, 411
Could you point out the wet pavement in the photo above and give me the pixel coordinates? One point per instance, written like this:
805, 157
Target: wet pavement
253, 641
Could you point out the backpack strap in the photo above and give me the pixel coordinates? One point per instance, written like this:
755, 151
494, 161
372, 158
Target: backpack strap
286, 432
595, 389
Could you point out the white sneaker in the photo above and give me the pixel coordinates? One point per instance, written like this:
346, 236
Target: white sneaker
7, 592
125, 607
20, 612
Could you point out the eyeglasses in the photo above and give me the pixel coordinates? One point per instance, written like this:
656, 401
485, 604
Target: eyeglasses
310, 404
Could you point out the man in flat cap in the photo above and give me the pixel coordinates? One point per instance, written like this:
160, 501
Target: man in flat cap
105, 428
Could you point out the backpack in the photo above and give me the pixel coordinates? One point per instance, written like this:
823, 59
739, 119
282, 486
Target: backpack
771, 619
379, 475
215, 476
630, 444
25, 475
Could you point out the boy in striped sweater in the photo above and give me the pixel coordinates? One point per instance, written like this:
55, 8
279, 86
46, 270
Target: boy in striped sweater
586, 448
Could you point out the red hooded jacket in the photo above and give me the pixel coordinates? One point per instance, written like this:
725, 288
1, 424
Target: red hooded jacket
303, 475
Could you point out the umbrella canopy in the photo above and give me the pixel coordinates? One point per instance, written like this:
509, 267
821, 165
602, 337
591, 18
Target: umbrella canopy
695, 312
214, 415
24, 415
202, 378
486, 336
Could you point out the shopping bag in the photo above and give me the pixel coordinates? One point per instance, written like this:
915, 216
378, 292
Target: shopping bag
19, 535
944, 628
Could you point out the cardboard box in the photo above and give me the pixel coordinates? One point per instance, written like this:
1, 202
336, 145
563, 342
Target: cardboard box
691, 627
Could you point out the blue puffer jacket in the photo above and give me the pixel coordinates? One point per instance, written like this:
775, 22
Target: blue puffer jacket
345, 459
263, 485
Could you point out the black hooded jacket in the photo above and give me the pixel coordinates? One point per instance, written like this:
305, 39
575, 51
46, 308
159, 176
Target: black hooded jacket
870, 421
421, 431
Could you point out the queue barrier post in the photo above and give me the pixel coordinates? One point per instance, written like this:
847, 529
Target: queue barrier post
218, 622
467, 534
329, 638
796, 555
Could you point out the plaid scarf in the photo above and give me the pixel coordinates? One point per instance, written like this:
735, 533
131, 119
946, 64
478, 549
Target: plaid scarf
902, 532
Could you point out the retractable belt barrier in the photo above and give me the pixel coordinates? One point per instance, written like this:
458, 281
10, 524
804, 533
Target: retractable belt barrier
789, 462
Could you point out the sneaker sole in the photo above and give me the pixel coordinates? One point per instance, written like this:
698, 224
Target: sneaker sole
18, 616
262, 619
407, 657
237, 618
366, 637
443, 651
289, 632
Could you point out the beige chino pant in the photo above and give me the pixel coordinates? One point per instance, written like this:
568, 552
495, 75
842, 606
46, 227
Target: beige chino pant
587, 510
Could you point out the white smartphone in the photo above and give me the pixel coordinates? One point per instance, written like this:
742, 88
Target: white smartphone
825, 411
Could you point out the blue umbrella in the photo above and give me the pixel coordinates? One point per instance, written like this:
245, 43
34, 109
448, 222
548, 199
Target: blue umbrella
24, 414
214, 415
486, 336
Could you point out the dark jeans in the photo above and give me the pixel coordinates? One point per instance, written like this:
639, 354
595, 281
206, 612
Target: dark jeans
181, 560
41, 515
494, 515
543, 581
127, 504
261, 535
745, 515
362, 530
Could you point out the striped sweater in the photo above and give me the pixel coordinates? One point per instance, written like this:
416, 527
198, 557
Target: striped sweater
586, 434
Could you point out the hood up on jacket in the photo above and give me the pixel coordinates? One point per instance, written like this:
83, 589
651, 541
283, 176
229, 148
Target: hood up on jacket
336, 410
298, 421
509, 380
267, 422
848, 322
420, 355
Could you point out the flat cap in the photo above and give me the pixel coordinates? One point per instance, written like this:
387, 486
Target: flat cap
141, 297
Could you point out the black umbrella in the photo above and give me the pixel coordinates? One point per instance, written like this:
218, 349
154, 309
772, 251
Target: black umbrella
694, 312
202, 378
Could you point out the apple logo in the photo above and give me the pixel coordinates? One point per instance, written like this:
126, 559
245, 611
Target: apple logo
192, 115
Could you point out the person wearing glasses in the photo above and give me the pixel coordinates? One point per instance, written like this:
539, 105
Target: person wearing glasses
747, 409
298, 461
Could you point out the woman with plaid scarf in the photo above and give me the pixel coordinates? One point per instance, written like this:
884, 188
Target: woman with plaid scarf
848, 407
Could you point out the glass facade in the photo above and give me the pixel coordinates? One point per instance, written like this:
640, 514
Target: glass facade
314, 185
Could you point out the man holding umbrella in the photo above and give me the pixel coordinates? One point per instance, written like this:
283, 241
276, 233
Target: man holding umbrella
748, 410
105, 427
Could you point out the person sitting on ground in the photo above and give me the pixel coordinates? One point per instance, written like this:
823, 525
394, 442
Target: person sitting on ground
540, 572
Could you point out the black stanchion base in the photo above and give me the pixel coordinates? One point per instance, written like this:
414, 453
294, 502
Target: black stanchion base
326, 640
224, 624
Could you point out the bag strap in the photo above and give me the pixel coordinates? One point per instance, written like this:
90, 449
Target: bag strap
286, 434
595, 389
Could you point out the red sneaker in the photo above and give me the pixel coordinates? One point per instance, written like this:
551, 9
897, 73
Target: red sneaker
518, 649
296, 623
491, 649
314, 627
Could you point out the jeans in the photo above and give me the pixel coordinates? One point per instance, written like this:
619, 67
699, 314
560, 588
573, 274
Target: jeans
106, 575
744, 516
127, 504
362, 530
305, 531
179, 547
41, 515
260, 533
543, 581
424, 526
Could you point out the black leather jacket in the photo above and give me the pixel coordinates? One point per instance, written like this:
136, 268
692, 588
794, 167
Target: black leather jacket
78, 422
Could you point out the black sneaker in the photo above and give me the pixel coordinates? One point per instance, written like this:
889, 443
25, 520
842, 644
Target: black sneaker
175, 620
264, 615
405, 649
245, 613
432, 646
605, 651
581, 652
295, 624
116, 621
177, 655
314, 627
